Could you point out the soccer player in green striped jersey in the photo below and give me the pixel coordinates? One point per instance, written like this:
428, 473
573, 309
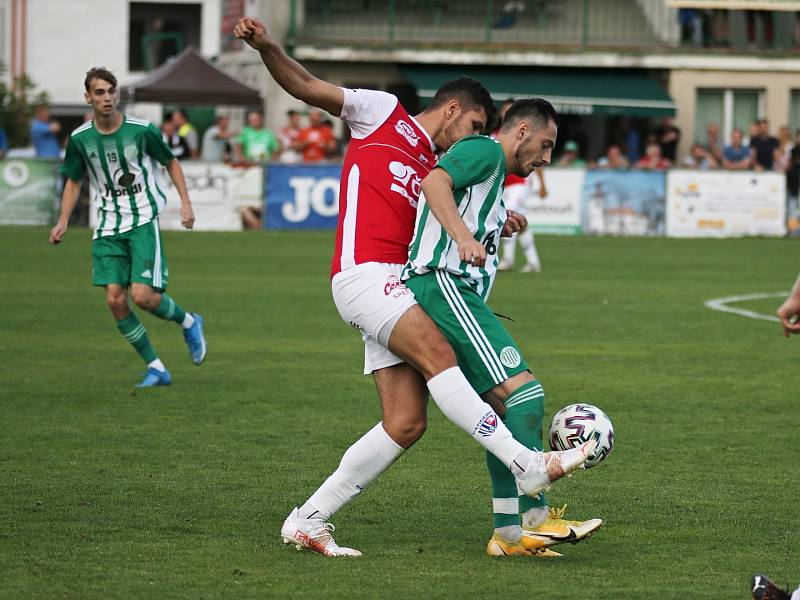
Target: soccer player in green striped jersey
123, 157
451, 268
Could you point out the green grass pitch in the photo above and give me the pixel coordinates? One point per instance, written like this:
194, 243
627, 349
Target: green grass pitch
179, 492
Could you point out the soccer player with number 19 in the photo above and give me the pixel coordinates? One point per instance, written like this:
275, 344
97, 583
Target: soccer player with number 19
121, 155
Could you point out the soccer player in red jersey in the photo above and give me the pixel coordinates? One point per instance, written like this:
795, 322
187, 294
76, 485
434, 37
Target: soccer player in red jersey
389, 154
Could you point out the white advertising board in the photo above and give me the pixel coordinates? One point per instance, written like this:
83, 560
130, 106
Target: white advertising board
725, 204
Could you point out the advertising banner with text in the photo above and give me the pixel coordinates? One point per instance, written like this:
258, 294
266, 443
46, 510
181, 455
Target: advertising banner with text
725, 204
560, 211
28, 192
301, 196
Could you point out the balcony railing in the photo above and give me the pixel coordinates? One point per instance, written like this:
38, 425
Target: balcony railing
632, 24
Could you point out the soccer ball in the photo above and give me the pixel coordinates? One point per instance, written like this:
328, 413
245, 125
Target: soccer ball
578, 423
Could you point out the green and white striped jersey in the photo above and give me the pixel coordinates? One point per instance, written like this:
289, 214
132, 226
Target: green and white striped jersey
128, 187
477, 166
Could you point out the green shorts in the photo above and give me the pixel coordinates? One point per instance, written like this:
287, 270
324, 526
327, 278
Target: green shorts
136, 256
486, 352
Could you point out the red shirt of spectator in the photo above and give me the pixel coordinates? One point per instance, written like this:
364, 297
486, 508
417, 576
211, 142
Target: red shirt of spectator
653, 159
316, 141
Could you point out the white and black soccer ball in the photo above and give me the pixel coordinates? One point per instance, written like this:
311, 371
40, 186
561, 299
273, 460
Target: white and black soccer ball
578, 423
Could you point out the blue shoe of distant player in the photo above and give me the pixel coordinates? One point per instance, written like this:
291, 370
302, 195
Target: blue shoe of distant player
154, 377
195, 340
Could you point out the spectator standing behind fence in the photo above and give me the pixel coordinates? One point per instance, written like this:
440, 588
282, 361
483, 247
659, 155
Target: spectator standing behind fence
737, 156
256, 143
785, 145
652, 159
43, 134
763, 147
3, 142
668, 137
713, 143
316, 142
187, 131
570, 158
613, 159
216, 147
793, 182
699, 158
288, 135
178, 145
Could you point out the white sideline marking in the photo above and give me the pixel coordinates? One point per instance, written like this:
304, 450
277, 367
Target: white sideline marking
721, 304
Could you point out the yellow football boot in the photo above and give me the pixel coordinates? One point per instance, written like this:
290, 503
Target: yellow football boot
499, 546
557, 530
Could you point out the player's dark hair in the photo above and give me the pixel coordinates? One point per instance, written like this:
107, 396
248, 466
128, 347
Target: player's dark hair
538, 111
470, 93
99, 73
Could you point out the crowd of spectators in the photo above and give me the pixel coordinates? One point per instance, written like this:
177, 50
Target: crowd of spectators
296, 141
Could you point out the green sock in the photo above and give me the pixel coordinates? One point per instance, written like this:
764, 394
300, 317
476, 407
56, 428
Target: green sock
524, 417
133, 331
168, 310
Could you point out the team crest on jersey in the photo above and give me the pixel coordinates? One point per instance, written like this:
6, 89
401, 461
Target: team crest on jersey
407, 132
510, 357
487, 425
131, 152
407, 182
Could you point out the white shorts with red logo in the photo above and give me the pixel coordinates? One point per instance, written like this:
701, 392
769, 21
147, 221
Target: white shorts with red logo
371, 298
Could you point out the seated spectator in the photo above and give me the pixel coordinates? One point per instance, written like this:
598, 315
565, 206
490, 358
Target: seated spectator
652, 159
316, 142
569, 158
43, 134
736, 156
178, 145
288, 135
256, 143
764, 147
699, 158
215, 141
187, 131
613, 159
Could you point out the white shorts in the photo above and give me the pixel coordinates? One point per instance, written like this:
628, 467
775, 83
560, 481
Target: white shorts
371, 298
515, 196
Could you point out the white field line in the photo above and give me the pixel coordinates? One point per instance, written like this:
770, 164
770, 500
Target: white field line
721, 304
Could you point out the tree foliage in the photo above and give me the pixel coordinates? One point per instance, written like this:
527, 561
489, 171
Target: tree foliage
17, 104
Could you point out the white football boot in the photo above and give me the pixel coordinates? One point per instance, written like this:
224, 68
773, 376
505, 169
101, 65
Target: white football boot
312, 534
545, 468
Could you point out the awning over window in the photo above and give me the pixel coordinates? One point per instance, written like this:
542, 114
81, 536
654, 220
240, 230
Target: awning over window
629, 92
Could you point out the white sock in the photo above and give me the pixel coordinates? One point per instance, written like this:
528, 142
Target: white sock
533, 517
509, 249
156, 364
188, 321
461, 404
370, 456
529, 247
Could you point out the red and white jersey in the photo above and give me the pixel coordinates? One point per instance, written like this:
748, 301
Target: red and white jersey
388, 157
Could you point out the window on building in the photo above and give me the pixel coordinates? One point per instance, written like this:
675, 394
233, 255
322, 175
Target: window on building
159, 31
794, 111
728, 109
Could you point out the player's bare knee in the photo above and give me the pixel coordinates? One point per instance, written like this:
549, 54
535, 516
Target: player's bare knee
144, 298
406, 430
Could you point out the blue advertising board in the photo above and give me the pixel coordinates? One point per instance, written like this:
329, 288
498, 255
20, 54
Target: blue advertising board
301, 196
624, 202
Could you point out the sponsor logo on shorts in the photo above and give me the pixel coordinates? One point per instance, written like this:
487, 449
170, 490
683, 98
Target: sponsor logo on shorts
407, 132
487, 425
510, 357
394, 287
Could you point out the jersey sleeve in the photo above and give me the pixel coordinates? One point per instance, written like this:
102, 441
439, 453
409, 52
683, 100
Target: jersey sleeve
73, 166
366, 110
156, 146
472, 160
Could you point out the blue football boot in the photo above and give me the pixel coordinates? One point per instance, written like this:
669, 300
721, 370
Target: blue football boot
195, 340
154, 377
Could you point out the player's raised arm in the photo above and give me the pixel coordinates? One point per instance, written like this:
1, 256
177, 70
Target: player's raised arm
286, 71
438, 190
